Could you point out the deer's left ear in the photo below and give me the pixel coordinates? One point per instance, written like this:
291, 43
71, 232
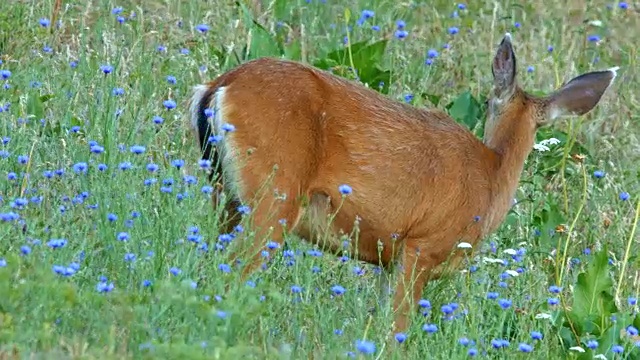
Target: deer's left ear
504, 69
580, 95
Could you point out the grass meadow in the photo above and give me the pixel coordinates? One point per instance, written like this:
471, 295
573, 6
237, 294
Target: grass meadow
109, 247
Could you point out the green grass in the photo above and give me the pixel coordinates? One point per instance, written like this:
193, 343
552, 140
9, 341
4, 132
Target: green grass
56, 111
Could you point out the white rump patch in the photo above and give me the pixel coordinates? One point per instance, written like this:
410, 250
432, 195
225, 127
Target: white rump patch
227, 149
199, 92
614, 70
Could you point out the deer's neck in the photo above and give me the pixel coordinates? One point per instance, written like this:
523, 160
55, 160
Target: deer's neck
512, 146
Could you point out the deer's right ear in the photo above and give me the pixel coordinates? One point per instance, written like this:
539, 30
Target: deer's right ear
580, 95
504, 69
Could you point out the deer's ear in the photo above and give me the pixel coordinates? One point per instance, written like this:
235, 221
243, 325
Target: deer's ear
580, 95
504, 69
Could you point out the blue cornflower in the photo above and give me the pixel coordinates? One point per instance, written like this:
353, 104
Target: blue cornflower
593, 38
345, 189
504, 303
80, 168
338, 290
178, 163
106, 69
104, 287
430, 328
137, 149
401, 34
365, 347
447, 309
554, 289
525, 348
169, 104
56, 243
224, 268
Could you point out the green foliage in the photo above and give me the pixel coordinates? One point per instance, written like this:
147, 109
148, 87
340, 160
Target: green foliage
593, 314
262, 43
469, 111
367, 59
546, 220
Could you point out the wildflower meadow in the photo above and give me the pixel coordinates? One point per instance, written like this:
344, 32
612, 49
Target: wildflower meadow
109, 242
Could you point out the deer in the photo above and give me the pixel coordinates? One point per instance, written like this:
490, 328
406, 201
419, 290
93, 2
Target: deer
284, 138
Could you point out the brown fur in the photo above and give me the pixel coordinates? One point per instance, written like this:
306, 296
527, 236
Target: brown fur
414, 172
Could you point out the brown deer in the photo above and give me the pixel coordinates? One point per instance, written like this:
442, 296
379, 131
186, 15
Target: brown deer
285, 136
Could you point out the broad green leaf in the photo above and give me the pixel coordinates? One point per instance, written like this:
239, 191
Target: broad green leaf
587, 325
592, 292
325, 64
546, 220
293, 50
262, 43
281, 10
568, 338
52, 129
35, 106
433, 99
47, 97
367, 59
466, 110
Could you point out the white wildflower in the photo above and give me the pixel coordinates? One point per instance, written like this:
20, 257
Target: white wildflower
550, 141
543, 316
512, 273
492, 260
464, 245
541, 148
543, 145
